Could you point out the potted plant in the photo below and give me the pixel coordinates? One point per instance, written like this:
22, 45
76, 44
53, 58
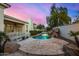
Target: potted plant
3, 39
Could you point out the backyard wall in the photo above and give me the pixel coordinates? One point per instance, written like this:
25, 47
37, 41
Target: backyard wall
65, 30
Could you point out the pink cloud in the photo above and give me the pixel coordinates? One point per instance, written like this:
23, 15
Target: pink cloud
24, 12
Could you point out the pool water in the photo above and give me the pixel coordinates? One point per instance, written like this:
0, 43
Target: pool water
40, 37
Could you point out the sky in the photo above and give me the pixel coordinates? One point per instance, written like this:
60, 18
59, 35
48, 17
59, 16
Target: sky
37, 12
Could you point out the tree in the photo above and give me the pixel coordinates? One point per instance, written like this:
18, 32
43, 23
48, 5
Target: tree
63, 16
53, 19
58, 16
40, 26
76, 20
48, 28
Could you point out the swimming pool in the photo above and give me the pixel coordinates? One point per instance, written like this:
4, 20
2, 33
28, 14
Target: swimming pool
42, 37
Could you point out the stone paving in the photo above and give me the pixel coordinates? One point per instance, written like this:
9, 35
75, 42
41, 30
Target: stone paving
51, 46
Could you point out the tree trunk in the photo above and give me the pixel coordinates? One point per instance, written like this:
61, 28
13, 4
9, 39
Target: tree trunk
2, 48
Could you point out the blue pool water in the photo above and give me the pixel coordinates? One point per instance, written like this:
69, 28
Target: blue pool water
40, 37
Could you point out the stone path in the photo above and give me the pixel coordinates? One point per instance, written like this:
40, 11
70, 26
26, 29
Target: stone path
51, 46
17, 53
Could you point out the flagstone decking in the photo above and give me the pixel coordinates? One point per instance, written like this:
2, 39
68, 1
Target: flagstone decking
53, 46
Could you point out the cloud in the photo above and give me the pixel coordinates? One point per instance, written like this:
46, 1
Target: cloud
37, 11
23, 12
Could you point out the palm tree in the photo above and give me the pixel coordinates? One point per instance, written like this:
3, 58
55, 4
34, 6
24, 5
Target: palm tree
77, 19
58, 16
63, 16
3, 39
54, 16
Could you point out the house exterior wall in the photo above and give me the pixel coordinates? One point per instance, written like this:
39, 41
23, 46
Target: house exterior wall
12, 27
15, 29
2, 7
35, 26
30, 25
1, 19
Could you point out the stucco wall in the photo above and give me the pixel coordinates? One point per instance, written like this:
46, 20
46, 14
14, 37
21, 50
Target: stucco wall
1, 19
65, 30
30, 25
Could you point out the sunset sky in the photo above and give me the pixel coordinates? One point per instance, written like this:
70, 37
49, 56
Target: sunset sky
38, 11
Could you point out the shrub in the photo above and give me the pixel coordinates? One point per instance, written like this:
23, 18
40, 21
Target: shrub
34, 32
3, 39
75, 34
48, 28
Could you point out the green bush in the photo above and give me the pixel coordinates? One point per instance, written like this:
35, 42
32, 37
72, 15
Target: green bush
3, 39
75, 34
34, 32
48, 28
